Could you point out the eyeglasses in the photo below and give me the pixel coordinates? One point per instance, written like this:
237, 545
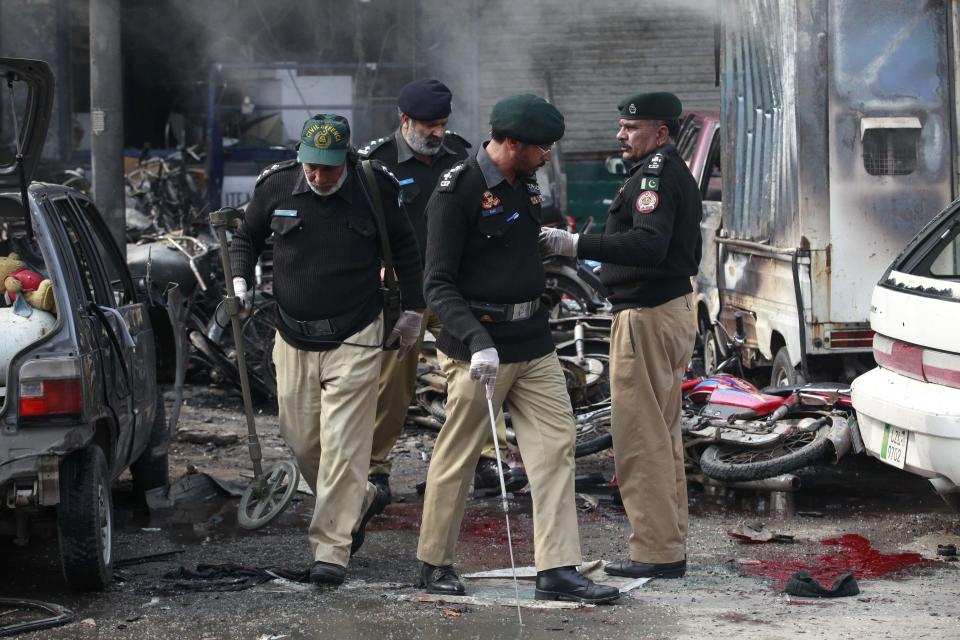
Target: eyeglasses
545, 149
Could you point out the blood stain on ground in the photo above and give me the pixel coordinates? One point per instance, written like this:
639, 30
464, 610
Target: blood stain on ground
853, 553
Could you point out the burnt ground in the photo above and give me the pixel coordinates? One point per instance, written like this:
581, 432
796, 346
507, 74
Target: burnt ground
731, 589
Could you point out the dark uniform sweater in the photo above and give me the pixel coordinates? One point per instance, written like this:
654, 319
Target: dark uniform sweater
482, 247
650, 245
417, 180
326, 250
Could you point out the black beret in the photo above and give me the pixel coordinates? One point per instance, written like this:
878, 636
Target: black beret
527, 118
660, 105
425, 99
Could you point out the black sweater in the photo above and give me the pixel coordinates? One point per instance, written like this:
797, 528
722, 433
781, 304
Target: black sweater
650, 245
326, 250
482, 247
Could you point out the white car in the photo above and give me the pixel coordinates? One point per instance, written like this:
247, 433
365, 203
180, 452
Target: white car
908, 407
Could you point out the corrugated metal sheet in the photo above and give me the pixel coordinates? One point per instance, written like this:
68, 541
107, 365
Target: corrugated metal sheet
593, 54
759, 104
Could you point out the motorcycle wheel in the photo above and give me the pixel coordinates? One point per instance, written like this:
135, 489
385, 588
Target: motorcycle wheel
593, 435
734, 464
568, 298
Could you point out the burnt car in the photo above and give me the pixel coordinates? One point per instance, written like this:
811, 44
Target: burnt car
79, 401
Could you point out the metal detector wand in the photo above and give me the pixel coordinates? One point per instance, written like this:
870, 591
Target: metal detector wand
503, 495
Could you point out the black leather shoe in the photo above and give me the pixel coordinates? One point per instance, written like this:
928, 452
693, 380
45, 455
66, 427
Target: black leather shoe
327, 573
565, 583
380, 502
487, 480
633, 569
440, 580
382, 481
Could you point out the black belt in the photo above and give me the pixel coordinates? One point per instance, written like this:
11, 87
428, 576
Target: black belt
319, 328
496, 312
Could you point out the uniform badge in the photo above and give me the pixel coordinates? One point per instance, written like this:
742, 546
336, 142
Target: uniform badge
535, 200
647, 201
655, 162
632, 109
489, 200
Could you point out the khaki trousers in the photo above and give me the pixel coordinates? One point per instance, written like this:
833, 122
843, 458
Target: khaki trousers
398, 379
649, 352
543, 420
327, 403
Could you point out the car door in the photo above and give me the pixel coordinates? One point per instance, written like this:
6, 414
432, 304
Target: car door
139, 352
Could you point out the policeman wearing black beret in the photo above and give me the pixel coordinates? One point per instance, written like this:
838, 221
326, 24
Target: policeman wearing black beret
484, 278
649, 249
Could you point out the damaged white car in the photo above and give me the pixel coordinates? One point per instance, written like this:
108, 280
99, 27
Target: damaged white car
909, 406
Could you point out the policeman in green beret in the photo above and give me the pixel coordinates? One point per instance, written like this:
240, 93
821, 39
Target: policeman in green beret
418, 153
649, 249
484, 278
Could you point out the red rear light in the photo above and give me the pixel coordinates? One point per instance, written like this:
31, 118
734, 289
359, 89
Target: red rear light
51, 398
51, 387
900, 357
928, 365
851, 338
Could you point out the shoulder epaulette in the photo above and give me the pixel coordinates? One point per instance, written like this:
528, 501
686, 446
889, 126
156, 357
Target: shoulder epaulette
382, 168
373, 145
459, 137
654, 165
272, 169
448, 181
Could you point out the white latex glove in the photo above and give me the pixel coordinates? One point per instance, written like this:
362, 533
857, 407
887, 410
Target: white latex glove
407, 330
484, 365
240, 290
558, 242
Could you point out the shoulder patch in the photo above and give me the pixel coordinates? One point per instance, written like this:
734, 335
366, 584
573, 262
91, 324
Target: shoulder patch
272, 169
457, 136
651, 184
372, 146
654, 165
448, 181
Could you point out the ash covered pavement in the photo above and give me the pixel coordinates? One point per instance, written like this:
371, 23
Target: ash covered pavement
883, 525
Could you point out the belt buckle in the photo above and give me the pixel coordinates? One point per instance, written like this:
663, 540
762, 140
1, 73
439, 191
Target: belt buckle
522, 311
317, 327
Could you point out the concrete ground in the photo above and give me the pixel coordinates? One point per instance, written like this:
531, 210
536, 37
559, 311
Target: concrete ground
731, 590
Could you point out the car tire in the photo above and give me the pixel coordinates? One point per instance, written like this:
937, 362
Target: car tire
783, 373
85, 520
151, 469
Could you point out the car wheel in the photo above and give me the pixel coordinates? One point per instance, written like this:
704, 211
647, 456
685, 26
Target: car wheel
151, 469
85, 520
783, 373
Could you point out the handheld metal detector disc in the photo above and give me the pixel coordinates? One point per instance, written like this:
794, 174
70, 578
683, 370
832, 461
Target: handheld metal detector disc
259, 507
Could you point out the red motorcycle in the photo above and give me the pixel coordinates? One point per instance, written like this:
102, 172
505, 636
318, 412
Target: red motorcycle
735, 431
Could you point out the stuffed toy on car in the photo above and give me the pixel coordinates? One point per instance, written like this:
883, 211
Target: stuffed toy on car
19, 281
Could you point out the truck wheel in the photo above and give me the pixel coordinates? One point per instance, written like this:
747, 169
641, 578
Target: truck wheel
784, 374
738, 464
85, 520
151, 469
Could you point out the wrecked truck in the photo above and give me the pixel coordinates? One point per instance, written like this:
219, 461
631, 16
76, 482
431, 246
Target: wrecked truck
79, 401
838, 139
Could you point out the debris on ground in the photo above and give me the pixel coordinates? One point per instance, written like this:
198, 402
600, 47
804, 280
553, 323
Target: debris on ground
202, 436
756, 533
227, 577
22, 615
192, 489
804, 585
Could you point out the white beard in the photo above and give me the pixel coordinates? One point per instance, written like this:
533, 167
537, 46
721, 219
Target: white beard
332, 190
421, 144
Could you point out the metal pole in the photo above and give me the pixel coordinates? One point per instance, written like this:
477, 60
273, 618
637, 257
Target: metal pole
106, 116
503, 497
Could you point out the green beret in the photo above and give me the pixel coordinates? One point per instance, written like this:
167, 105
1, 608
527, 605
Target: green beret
659, 105
527, 118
